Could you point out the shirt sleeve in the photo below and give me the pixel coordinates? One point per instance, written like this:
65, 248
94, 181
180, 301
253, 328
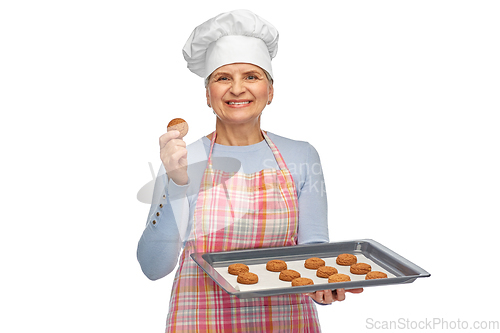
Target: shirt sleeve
313, 207
162, 239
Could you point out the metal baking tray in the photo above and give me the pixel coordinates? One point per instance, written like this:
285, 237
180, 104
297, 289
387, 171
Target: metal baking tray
398, 269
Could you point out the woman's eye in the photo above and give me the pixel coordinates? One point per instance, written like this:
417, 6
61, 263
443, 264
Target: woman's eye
222, 78
251, 77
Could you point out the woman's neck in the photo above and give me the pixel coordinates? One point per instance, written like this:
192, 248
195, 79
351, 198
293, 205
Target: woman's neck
237, 135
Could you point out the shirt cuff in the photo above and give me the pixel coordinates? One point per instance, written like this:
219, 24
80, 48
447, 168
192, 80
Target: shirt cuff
177, 191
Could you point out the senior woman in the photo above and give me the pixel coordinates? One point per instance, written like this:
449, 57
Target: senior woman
274, 197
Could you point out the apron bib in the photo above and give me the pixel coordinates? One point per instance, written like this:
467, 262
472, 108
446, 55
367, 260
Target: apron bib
239, 211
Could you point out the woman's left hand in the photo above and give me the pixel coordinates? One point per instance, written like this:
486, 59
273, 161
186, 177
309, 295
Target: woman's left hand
330, 296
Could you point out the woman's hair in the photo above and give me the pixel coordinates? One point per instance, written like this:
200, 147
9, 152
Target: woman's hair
269, 78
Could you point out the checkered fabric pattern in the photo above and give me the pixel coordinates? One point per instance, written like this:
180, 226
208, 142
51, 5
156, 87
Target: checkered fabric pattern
239, 211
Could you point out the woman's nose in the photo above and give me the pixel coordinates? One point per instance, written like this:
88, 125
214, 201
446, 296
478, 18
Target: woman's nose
238, 87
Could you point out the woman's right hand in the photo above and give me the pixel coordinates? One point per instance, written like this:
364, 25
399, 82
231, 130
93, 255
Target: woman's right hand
173, 154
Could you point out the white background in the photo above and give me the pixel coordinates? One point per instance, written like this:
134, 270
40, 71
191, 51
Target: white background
400, 98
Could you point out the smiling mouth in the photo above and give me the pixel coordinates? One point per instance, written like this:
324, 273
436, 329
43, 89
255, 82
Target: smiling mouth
238, 103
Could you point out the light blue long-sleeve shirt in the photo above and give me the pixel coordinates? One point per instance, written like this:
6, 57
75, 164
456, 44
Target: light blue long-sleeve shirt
171, 214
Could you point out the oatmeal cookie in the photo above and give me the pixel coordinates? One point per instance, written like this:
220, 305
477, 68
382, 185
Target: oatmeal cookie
346, 259
360, 268
314, 263
302, 282
180, 125
248, 278
338, 278
326, 271
375, 275
276, 265
236, 269
289, 275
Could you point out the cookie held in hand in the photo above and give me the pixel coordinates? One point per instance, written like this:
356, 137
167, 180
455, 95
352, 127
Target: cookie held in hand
180, 125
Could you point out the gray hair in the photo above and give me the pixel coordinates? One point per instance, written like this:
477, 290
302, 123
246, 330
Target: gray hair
269, 78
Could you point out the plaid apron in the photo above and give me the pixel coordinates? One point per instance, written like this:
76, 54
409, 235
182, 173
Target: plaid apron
239, 211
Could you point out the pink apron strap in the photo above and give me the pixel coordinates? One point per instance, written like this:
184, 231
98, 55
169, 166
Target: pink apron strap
276, 153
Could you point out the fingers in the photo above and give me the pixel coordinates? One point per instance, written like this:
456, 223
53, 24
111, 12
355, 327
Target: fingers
322, 296
178, 152
355, 291
312, 295
172, 149
171, 136
174, 157
319, 296
173, 154
339, 294
330, 296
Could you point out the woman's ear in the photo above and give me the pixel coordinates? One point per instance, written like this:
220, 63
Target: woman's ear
208, 97
271, 94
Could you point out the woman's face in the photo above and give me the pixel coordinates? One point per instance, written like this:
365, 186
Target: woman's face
239, 92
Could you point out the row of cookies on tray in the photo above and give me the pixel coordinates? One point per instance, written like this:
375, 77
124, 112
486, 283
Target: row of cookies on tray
323, 271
